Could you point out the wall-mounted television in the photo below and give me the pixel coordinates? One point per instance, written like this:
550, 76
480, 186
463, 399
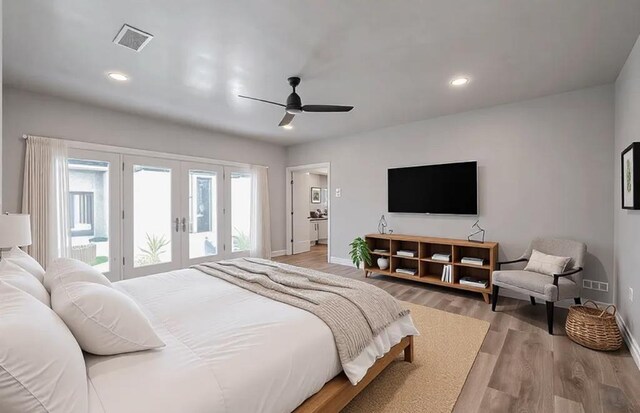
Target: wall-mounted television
450, 188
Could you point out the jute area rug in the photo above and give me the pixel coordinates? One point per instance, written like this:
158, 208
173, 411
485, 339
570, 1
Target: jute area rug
443, 356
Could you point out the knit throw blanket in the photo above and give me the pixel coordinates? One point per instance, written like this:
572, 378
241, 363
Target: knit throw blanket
354, 311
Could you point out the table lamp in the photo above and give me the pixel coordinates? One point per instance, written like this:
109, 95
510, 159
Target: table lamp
15, 230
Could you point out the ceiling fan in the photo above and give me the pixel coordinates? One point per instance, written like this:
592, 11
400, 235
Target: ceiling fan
294, 104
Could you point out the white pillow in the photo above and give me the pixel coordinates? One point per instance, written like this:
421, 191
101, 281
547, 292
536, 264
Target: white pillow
67, 270
41, 366
103, 320
21, 279
546, 264
25, 261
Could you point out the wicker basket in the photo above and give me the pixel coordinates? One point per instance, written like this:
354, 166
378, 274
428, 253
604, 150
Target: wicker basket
594, 328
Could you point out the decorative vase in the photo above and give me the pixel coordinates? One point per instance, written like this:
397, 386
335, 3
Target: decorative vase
383, 263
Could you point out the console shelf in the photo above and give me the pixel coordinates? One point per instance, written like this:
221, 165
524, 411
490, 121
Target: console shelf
428, 269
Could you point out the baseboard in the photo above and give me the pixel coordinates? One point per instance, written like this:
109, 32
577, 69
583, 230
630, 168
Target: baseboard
634, 348
278, 253
562, 304
341, 261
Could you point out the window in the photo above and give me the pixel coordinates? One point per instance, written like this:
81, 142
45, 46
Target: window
81, 213
240, 211
89, 211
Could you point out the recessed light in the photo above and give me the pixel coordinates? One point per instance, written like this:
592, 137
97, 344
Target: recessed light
118, 76
288, 127
459, 81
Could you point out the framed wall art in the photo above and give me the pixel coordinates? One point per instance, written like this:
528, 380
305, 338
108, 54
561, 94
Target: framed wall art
631, 177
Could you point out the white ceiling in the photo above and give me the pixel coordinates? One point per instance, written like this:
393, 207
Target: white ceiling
392, 60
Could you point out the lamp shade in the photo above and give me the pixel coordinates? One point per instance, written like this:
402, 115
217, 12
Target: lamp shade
15, 230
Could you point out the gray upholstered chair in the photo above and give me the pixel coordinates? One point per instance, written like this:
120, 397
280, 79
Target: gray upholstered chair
550, 289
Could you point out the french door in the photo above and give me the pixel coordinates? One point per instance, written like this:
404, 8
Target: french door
151, 216
177, 214
202, 213
131, 216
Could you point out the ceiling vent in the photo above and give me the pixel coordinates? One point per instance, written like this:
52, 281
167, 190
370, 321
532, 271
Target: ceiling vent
132, 38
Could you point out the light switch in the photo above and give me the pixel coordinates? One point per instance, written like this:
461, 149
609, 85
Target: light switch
338, 192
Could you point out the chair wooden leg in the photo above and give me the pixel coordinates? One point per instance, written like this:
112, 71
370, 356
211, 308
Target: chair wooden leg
577, 301
533, 300
494, 297
550, 316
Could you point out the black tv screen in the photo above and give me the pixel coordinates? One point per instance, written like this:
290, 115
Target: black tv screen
434, 189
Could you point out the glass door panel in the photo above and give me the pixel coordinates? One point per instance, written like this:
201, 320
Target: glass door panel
202, 212
151, 219
151, 215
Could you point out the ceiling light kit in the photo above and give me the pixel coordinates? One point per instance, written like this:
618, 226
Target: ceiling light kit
459, 81
294, 104
287, 127
120, 77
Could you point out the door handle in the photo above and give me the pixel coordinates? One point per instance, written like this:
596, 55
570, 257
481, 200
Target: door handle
177, 225
184, 224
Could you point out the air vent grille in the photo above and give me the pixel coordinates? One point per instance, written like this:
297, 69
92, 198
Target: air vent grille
132, 38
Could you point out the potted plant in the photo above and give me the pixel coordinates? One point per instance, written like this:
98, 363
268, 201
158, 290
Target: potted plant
360, 252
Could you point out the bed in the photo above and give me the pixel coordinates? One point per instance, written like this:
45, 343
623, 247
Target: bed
231, 350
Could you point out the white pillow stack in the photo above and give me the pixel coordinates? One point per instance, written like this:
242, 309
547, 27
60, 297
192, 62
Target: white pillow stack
41, 365
104, 320
66, 270
25, 261
17, 277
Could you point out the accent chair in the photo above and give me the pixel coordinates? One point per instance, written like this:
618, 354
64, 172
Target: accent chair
562, 286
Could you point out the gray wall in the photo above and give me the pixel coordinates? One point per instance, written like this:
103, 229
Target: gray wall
45, 115
1, 163
544, 170
627, 223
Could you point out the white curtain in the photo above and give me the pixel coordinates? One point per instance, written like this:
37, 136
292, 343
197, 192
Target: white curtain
260, 213
45, 197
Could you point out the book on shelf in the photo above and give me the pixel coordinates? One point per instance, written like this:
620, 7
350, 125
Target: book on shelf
472, 261
408, 271
441, 257
406, 253
447, 274
474, 282
380, 251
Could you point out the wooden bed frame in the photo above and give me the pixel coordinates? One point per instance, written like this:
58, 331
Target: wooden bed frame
339, 391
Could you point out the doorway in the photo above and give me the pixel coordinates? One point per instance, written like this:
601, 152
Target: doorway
308, 204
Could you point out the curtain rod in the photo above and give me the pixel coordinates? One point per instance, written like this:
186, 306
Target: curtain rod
132, 151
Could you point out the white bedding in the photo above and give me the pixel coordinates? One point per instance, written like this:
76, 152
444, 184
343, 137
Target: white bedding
228, 350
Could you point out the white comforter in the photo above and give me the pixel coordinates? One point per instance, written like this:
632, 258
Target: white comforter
228, 350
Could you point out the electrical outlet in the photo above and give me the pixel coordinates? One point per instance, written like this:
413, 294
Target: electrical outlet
338, 192
630, 294
595, 285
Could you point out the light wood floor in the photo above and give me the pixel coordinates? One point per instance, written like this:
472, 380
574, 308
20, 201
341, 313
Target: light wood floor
520, 367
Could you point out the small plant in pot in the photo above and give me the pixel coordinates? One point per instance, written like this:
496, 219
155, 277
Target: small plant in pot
360, 252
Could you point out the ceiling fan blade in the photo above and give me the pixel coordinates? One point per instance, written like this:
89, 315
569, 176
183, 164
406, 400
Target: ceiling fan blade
288, 117
262, 100
326, 108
